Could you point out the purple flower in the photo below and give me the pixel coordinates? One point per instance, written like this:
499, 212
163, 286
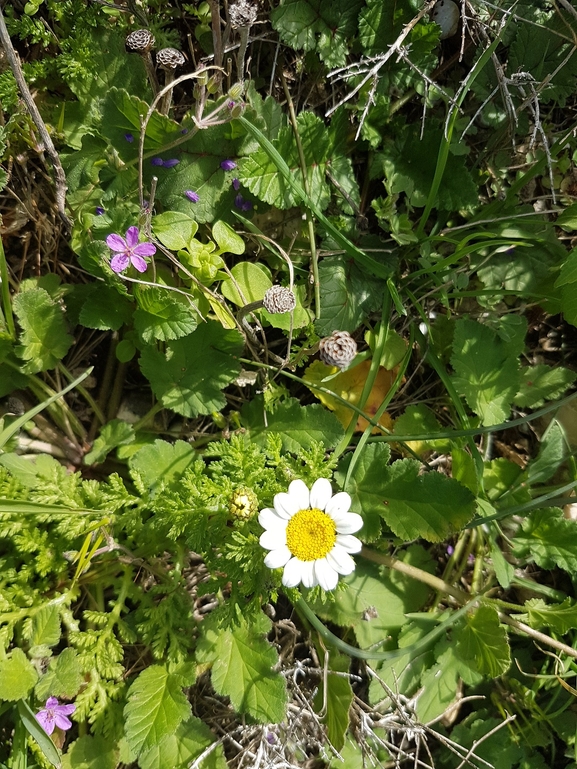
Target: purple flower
193, 196
236, 184
230, 104
157, 162
55, 715
228, 165
240, 202
184, 131
450, 549
129, 138
129, 251
247, 205
170, 163
99, 210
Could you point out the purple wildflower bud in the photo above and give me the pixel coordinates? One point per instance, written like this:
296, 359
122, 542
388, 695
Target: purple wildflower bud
129, 251
129, 138
184, 131
171, 163
157, 162
230, 104
236, 184
271, 738
228, 165
99, 210
193, 196
239, 201
54, 715
247, 205
450, 549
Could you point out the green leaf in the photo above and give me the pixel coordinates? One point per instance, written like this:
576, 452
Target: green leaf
552, 452
440, 684
103, 307
115, 433
428, 506
32, 726
567, 219
45, 627
227, 239
566, 281
298, 426
485, 372
260, 175
91, 753
161, 461
364, 486
179, 750
381, 23
174, 229
495, 745
244, 672
63, 678
484, 640
317, 25
419, 420
155, 709
189, 378
542, 383
348, 295
17, 676
252, 279
560, 617
338, 694
161, 315
549, 539
44, 340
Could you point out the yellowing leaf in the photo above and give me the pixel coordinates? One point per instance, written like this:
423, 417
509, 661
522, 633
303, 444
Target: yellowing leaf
349, 386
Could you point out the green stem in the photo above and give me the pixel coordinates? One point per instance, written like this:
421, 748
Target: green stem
6, 298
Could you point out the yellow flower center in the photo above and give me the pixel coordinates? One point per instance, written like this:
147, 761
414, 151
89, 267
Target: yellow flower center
310, 534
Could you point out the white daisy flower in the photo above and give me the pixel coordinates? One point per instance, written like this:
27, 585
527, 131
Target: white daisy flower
310, 534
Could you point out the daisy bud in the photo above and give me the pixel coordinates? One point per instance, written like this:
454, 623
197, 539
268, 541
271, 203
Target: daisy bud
243, 503
279, 299
339, 349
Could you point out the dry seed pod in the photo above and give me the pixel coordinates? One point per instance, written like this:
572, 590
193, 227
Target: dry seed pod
279, 299
446, 15
168, 59
142, 41
339, 349
242, 14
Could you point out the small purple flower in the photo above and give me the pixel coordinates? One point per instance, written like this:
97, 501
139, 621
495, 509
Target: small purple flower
184, 131
240, 202
228, 165
129, 138
247, 205
55, 715
193, 196
450, 549
129, 251
99, 210
230, 104
170, 163
271, 738
157, 162
236, 184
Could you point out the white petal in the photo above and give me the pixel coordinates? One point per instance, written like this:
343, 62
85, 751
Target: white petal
321, 493
340, 503
326, 576
285, 505
292, 573
340, 560
349, 543
269, 519
299, 491
308, 574
270, 540
348, 523
277, 558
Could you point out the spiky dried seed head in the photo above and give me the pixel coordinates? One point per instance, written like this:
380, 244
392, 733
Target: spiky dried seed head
338, 349
242, 14
279, 299
169, 58
140, 41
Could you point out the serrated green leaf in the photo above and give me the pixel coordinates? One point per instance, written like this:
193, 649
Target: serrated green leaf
63, 678
91, 753
155, 709
179, 750
160, 315
298, 426
174, 229
45, 627
428, 506
252, 279
244, 672
484, 640
104, 308
364, 486
162, 461
348, 295
549, 539
115, 433
17, 676
560, 617
44, 340
439, 686
380, 23
485, 373
190, 377
321, 25
419, 419
542, 383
